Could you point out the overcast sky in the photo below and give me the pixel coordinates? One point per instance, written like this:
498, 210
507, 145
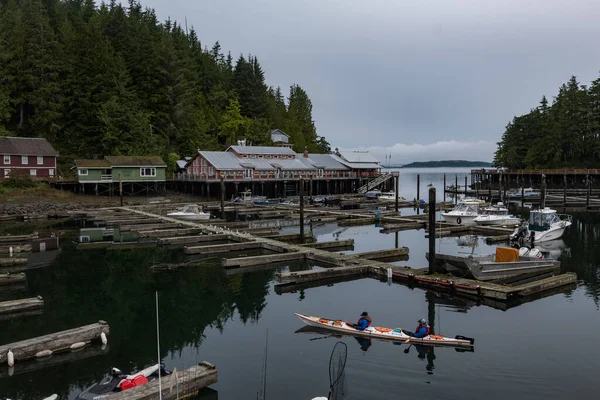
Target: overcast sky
421, 79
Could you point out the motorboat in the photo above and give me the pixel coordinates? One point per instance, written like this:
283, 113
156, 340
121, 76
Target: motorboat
247, 198
373, 194
117, 381
390, 196
544, 225
190, 212
524, 192
496, 215
463, 214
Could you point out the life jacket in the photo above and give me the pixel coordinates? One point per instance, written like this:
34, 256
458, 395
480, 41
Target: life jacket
367, 318
426, 327
136, 381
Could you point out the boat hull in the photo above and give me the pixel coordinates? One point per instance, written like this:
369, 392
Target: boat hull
378, 333
491, 270
551, 234
497, 222
458, 219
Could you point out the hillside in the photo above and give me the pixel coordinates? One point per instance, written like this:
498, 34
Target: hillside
447, 164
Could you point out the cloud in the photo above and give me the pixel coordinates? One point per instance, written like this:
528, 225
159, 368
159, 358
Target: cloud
402, 153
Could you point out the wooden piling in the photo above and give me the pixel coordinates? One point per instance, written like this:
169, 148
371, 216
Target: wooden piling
431, 227
565, 190
55, 342
444, 187
121, 190
22, 305
222, 198
543, 193
302, 210
397, 187
222, 248
587, 193
455, 189
418, 187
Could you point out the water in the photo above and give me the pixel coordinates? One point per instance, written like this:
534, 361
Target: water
537, 350
429, 176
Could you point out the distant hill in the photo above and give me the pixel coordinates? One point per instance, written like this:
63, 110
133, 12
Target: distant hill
447, 163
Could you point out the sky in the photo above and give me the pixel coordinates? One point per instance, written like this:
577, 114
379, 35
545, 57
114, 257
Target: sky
421, 79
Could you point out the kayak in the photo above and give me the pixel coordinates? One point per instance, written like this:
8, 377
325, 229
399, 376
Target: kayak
378, 332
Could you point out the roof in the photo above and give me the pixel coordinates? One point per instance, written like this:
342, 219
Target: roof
358, 157
181, 163
224, 160
26, 147
262, 150
357, 165
92, 164
279, 131
322, 161
135, 161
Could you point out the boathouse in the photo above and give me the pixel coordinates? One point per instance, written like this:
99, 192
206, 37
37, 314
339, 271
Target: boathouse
136, 174
360, 163
33, 157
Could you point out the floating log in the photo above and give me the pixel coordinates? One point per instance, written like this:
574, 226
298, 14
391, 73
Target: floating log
289, 237
192, 239
222, 248
17, 306
55, 342
23, 248
358, 221
9, 279
12, 261
383, 254
331, 245
260, 260
170, 232
189, 382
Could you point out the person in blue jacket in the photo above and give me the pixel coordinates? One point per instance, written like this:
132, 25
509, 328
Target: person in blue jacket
363, 322
422, 329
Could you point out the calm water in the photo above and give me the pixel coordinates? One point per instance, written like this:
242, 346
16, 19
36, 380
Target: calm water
537, 350
429, 176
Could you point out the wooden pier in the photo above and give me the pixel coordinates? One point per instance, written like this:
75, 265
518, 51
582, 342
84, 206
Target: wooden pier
12, 279
53, 343
13, 308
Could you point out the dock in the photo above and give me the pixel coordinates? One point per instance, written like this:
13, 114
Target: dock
12, 279
19, 307
58, 342
179, 385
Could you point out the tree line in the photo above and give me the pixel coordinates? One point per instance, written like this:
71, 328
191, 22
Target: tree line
564, 134
113, 80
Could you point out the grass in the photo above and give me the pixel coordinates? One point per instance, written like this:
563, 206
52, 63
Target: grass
15, 188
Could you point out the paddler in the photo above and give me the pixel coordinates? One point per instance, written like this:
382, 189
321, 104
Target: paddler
422, 329
363, 322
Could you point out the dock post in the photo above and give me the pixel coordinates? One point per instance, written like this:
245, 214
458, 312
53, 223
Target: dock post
455, 189
466, 186
444, 188
543, 194
565, 190
418, 187
397, 187
310, 189
301, 210
222, 197
121, 190
587, 194
431, 226
522, 197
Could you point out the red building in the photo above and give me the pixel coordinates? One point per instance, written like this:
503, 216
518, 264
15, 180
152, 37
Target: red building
33, 157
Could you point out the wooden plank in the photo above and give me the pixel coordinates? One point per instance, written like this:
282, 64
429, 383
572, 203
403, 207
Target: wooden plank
56, 342
289, 237
12, 261
383, 254
331, 245
545, 284
16, 306
189, 382
192, 239
260, 260
9, 279
358, 221
222, 248
170, 232
319, 274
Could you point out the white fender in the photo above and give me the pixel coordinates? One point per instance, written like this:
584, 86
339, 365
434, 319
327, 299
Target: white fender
77, 345
10, 358
103, 337
43, 353
53, 397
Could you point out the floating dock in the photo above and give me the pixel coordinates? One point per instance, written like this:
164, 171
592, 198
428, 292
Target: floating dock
14, 308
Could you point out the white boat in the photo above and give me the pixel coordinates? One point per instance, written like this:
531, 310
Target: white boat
190, 212
247, 198
544, 225
496, 215
373, 194
463, 214
390, 196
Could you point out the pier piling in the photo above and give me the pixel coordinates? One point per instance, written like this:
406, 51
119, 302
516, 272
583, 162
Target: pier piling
418, 187
431, 227
301, 210
222, 198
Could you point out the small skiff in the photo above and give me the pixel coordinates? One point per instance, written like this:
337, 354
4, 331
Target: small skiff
378, 332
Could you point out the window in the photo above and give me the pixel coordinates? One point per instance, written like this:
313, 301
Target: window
211, 171
147, 171
261, 156
82, 172
33, 172
40, 160
6, 159
51, 172
245, 156
6, 173
84, 239
24, 160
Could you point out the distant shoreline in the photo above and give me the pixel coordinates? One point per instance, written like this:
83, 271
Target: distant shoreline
446, 163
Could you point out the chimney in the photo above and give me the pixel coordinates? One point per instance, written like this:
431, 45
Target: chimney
305, 152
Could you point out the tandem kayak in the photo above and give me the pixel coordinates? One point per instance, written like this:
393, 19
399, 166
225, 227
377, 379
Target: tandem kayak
378, 332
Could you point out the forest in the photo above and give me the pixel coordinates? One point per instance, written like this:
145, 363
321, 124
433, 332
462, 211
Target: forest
109, 79
564, 134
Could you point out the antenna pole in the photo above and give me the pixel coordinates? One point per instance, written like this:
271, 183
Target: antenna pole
158, 350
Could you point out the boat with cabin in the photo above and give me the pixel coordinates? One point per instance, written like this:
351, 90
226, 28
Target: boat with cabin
190, 212
496, 215
544, 225
373, 194
464, 213
390, 196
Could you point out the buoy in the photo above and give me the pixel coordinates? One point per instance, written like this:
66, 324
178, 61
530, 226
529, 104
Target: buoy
103, 337
10, 358
389, 272
53, 397
43, 353
77, 345
10, 251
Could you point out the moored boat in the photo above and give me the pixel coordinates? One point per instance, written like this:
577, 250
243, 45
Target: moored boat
377, 332
463, 214
190, 212
390, 196
496, 215
544, 225
373, 194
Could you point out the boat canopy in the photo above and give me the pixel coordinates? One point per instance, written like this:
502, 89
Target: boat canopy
467, 207
191, 208
541, 220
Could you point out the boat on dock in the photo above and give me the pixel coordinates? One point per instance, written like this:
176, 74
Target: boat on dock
390, 196
190, 212
496, 215
544, 225
377, 332
464, 213
373, 194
